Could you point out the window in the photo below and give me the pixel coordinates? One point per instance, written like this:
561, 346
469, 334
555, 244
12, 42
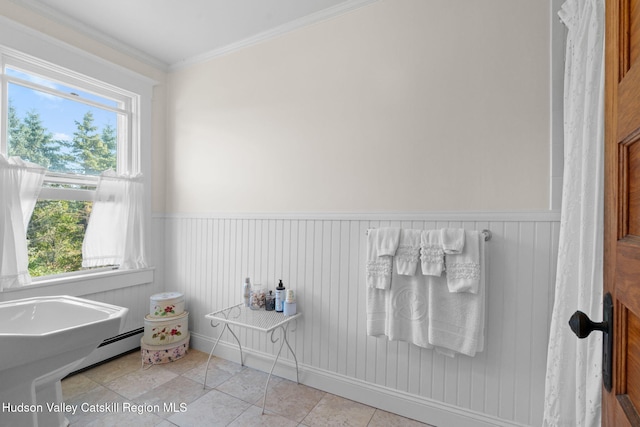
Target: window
75, 126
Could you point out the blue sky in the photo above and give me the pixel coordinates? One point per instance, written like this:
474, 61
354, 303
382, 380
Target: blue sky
58, 114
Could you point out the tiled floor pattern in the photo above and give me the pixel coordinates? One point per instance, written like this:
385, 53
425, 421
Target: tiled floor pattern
121, 393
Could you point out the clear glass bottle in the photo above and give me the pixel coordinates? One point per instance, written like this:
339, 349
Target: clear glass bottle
257, 298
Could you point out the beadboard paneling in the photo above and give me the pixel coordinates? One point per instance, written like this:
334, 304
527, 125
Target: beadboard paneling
322, 259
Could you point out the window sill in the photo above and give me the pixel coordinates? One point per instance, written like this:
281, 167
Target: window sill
82, 284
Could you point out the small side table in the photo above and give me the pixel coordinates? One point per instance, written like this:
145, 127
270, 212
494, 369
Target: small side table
258, 320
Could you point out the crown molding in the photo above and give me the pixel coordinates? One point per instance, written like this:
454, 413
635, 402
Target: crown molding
19, 41
129, 50
62, 19
305, 21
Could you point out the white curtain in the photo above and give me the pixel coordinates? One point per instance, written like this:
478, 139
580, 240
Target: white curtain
20, 184
115, 232
573, 380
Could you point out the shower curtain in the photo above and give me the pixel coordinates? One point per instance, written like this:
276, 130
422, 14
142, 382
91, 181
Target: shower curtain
573, 380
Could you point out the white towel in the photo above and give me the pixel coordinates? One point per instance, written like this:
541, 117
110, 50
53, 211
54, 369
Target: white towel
377, 311
408, 252
463, 270
387, 240
452, 240
382, 244
378, 268
431, 253
456, 320
408, 305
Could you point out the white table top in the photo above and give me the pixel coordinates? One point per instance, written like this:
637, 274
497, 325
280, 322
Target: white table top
260, 320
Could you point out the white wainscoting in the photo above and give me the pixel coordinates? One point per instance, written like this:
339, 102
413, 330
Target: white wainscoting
322, 258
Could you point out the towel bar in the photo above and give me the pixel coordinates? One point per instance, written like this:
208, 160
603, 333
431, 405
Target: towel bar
487, 234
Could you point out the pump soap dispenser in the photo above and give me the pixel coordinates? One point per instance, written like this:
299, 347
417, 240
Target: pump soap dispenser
280, 297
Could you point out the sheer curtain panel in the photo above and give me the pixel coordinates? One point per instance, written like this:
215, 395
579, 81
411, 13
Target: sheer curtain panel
573, 380
20, 184
115, 232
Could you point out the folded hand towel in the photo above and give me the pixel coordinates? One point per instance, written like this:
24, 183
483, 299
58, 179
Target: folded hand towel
452, 240
408, 306
456, 320
378, 267
387, 241
463, 270
408, 252
431, 253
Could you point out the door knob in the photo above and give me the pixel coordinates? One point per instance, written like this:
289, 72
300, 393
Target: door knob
582, 326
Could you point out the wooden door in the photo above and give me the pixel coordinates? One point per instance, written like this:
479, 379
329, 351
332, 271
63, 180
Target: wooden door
621, 406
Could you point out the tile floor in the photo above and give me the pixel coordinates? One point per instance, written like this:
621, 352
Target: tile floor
121, 393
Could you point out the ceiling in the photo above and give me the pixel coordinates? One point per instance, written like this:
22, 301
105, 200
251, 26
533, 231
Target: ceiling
172, 33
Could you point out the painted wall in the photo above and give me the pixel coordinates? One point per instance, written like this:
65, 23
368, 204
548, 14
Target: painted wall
405, 105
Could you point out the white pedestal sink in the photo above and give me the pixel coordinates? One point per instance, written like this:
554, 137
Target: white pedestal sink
43, 339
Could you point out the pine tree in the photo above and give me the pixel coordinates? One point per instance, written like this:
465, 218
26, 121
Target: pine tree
14, 126
31, 141
110, 140
91, 152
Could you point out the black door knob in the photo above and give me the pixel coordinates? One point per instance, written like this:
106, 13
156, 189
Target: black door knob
582, 326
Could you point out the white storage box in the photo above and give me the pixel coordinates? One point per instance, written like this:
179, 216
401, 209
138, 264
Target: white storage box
160, 331
158, 354
166, 304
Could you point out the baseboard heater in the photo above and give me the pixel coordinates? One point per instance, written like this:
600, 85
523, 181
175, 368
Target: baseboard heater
112, 348
121, 337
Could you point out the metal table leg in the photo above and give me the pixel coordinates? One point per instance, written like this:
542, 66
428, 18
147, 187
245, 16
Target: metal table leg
283, 338
226, 327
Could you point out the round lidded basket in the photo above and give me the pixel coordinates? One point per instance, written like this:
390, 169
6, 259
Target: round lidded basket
158, 331
166, 304
158, 354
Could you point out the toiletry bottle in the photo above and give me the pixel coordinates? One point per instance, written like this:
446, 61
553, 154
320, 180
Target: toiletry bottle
280, 297
246, 291
270, 302
290, 303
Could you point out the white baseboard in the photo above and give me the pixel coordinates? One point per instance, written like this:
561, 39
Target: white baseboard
404, 404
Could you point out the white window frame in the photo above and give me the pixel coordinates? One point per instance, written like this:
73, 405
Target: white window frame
19, 42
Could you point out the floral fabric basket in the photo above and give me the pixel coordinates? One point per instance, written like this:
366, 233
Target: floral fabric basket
159, 354
166, 304
165, 331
